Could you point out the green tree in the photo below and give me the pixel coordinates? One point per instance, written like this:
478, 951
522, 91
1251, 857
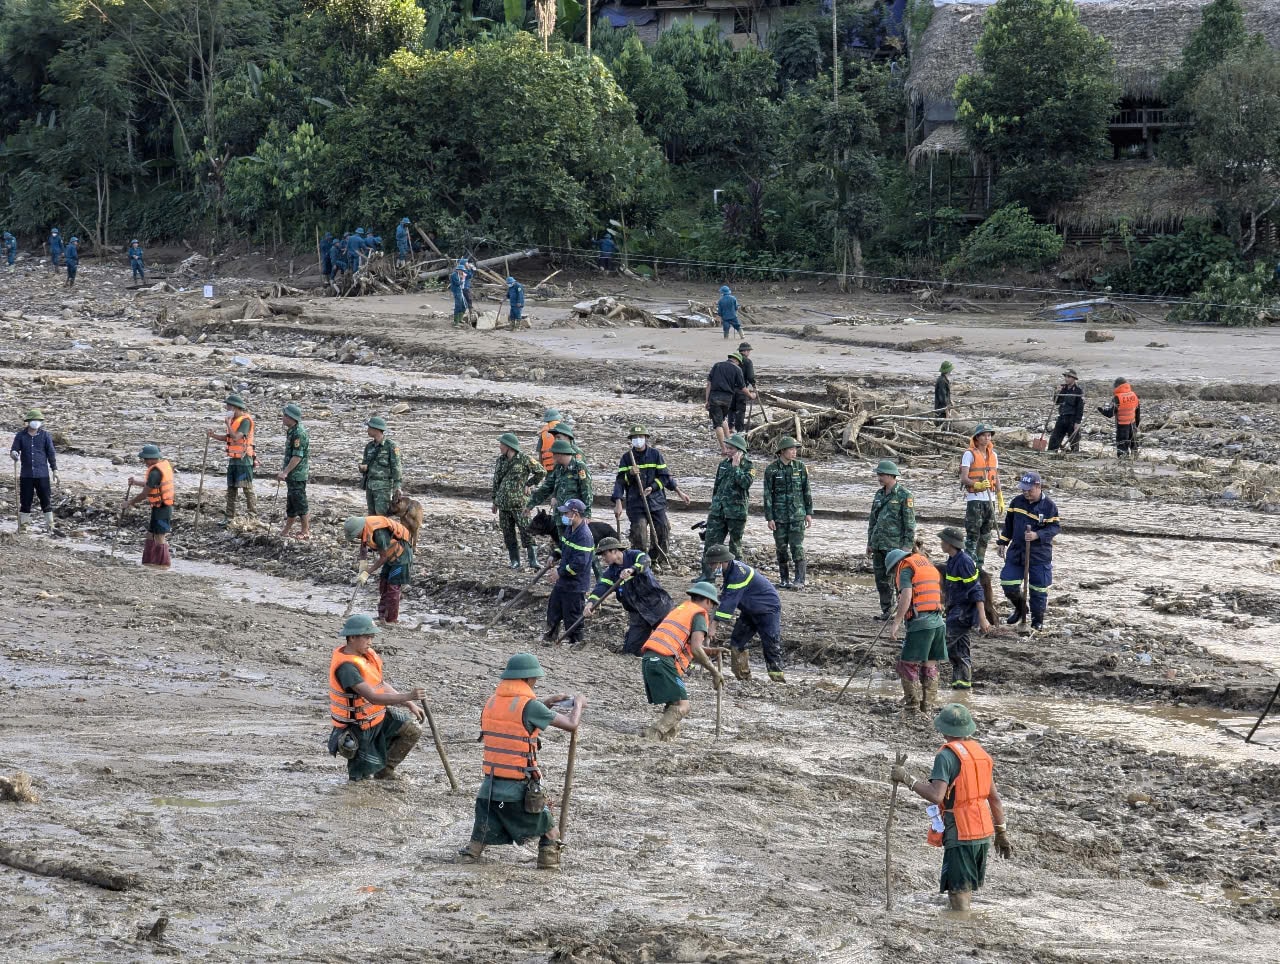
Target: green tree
1221, 33
1009, 238
1040, 104
1238, 298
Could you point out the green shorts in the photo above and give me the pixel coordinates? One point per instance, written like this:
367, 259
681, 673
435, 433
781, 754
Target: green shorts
964, 867
662, 683
295, 502
925, 645
372, 755
506, 822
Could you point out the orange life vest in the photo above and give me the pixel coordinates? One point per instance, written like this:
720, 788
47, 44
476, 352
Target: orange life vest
986, 465
510, 750
347, 708
966, 798
545, 441
238, 448
1126, 404
671, 637
399, 535
164, 494
926, 584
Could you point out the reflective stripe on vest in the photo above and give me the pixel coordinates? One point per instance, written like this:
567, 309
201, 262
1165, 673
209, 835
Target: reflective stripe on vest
399, 535
1126, 405
348, 708
986, 465
926, 584
734, 586
510, 750
545, 455
671, 638
164, 494
238, 448
966, 798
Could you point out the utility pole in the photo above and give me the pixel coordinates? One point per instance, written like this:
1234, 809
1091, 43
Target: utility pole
835, 57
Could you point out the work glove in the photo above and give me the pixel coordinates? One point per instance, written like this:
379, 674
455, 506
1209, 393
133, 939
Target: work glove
362, 577
899, 775
981, 485
1004, 846
717, 680
55, 479
14, 455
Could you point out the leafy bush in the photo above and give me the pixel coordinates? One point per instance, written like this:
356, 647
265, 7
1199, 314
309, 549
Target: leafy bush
1234, 298
1010, 238
1174, 264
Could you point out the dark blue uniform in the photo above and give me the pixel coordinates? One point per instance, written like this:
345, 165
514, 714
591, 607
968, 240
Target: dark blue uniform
644, 599
654, 475
573, 579
963, 592
1041, 517
759, 610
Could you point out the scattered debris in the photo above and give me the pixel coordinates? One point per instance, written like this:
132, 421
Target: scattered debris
1094, 335
18, 789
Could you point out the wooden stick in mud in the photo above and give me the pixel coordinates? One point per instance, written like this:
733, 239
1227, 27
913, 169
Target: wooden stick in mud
568, 785
522, 593
200, 491
1270, 703
120, 520
870, 649
653, 530
17, 492
719, 690
435, 735
899, 760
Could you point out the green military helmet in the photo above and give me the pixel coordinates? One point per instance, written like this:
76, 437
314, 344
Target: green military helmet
353, 526
735, 356
149, 451
744, 346
786, 442
235, 401
562, 446
293, 411
887, 467
894, 557
720, 553
565, 429
637, 431
954, 720
608, 544
33, 415
551, 415
523, 666
359, 625
737, 440
509, 440
946, 367
705, 590
952, 536
377, 423
982, 428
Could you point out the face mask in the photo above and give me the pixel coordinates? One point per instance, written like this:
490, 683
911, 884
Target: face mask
564, 520
637, 443
230, 413
34, 426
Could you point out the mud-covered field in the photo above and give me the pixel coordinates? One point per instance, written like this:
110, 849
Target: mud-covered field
173, 723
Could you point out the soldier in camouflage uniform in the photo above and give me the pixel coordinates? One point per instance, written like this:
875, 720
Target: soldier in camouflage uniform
513, 473
788, 508
294, 474
892, 526
380, 467
729, 500
570, 479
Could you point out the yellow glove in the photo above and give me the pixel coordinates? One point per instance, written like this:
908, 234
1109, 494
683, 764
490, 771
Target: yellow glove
362, 578
981, 485
1000, 501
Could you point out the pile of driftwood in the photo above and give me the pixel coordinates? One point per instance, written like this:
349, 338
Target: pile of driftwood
857, 421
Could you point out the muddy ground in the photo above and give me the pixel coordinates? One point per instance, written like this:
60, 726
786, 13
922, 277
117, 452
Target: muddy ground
173, 723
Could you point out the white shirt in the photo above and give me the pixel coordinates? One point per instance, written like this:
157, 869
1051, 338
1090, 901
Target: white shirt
966, 461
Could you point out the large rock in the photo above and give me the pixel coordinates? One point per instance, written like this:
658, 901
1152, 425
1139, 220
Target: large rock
1098, 334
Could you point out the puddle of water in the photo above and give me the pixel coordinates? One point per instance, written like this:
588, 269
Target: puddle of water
192, 802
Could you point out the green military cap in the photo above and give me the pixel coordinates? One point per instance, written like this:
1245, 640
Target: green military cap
551, 415
637, 431
562, 446
744, 346
954, 720
735, 356
149, 451
720, 553
609, 543
946, 367
981, 429
563, 429
705, 590
33, 415
353, 526
894, 557
293, 411
377, 422
523, 666
359, 625
235, 401
509, 440
887, 467
786, 442
737, 441
953, 536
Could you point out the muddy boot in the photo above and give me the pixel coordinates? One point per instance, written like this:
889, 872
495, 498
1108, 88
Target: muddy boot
799, 583
741, 663
929, 695
959, 899
550, 634
406, 739
549, 856
533, 557
514, 558
784, 581
48, 522
24, 520
911, 697
230, 512
1019, 607
470, 854
251, 503
776, 675
665, 725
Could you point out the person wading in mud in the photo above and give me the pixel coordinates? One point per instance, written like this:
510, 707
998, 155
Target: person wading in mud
667, 653
394, 565
371, 729
965, 606
972, 814
157, 489
920, 607
511, 805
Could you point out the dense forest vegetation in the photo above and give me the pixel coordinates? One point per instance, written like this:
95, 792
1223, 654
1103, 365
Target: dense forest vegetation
268, 120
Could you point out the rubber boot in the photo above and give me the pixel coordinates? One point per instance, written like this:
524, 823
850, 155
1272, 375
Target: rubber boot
48, 522
666, 725
532, 553
911, 696
1019, 607
514, 557
24, 520
406, 739
929, 694
959, 899
230, 512
776, 674
784, 582
549, 856
741, 663
471, 852
550, 634
799, 583
251, 502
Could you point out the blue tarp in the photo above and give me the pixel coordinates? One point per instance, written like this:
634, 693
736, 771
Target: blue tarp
625, 18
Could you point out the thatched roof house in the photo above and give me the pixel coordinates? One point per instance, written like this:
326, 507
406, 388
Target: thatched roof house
1148, 197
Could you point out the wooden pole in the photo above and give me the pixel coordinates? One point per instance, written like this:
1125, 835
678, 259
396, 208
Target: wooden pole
653, 530
900, 759
1264, 713
568, 785
870, 650
200, 491
719, 690
522, 593
435, 735
120, 521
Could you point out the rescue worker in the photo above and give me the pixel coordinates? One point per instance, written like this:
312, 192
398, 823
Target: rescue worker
667, 653
157, 489
372, 729
788, 508
513, 475
1070, 401
393, 546
326, 256
355, 244
515, 299
1030, 526
380, 467
920, 609
965, 604
136, 264
642, 596
403, 248
1126, 409
338, 260
643, 477
961, 784
73, 260
980, 479
33, 448
572, 577
511, 804
606, 247
296, 471
725, 384
468, 275
542, 449
891, 525
238, 439
55, 250
568, 479
565, 431
457, 280
942, 394
759, 609
10, 248
740, 401
730, 495
727, 309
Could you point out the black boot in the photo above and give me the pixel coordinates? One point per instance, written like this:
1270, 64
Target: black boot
799, 583
1019, 607
785, 574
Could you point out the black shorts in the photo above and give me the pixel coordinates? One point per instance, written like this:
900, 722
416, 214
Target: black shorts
161, 520
719, 411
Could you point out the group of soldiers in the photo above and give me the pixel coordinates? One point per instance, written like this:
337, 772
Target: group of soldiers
66, 254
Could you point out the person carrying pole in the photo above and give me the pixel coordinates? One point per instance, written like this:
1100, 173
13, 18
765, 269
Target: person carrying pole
667, 653
629, 573
920, 608
980, 479
394, 548
1026, 545
157, 489
640, 489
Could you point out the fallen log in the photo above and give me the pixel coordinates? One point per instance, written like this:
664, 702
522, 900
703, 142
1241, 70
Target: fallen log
487, 263
32, 863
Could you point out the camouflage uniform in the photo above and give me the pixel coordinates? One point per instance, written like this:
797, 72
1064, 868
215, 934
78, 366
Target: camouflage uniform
565, 482
510, 477
728, 516
381, 474
892, 526
786, 503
